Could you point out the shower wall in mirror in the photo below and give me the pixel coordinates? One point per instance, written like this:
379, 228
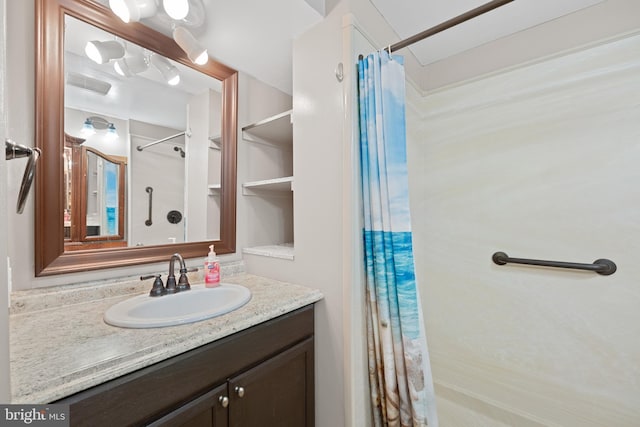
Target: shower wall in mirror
164, 120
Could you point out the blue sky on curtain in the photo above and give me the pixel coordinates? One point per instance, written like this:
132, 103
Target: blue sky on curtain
400, 374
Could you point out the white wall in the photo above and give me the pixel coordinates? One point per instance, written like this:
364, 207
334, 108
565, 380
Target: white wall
214, 166
197, 166
540, 162
161, 168
5, 394
321, 175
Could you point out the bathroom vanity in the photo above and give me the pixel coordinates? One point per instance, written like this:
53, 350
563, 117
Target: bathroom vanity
249, 367
262, 376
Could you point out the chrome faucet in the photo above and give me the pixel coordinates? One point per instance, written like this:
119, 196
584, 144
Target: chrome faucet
183, 281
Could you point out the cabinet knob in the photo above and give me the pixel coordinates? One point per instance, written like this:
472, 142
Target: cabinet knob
224, 401
240, 391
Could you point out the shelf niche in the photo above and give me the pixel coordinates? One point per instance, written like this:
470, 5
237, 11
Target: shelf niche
270, 153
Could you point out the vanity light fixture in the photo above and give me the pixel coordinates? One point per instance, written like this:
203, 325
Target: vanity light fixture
187, 42
176, 9
103, 52
133, 10
131, 65
87, 128
169, 72
93, 123
112, 133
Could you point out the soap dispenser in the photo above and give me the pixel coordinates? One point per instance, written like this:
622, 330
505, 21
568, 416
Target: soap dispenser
211, 269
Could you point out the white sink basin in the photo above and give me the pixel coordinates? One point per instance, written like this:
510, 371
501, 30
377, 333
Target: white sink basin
184, 307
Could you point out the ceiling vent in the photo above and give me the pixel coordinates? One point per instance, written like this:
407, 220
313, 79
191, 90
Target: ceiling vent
88, 83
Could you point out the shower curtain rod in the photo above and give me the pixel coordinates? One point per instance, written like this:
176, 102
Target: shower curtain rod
487, 7
140, 148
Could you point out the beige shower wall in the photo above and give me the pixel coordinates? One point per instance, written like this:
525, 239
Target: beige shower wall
539, 162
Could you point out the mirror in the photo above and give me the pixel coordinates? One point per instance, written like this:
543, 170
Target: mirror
119, 196
165, 132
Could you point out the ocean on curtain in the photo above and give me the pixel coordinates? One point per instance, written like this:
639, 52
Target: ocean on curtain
399, 370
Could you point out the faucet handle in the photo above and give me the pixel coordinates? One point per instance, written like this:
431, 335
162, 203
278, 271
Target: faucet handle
158, 288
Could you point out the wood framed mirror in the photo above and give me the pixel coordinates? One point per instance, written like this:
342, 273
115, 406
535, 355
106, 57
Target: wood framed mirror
52, 255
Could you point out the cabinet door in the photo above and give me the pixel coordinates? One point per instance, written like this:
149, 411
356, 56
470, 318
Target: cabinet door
208, 410
278, 392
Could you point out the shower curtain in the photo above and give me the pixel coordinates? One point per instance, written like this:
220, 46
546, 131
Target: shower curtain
399, 371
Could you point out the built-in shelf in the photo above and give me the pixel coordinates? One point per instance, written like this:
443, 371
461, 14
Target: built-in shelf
271, 141
283, 251
275, 184
214, 189
276, 130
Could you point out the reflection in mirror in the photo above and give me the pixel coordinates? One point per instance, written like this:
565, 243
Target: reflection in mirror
166, 123
159, 115
102, 195
94, 201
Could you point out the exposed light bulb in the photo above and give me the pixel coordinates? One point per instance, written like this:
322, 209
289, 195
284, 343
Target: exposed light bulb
118, 66
130, 65
176, 9
112, 133
187, 42
121, 10
103, 52
169, 72
91, 50
202, 59
87, 128
133, 10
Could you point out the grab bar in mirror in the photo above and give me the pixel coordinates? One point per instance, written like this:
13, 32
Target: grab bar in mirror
17, 151
142, 147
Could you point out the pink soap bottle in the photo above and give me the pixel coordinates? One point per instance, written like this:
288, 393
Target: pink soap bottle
211, 269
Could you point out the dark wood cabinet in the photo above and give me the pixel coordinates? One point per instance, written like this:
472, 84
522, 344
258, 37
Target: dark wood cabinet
263, 376
273, 393
208, 410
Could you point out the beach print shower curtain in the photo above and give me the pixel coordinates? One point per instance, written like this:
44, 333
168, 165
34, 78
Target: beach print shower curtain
399, 371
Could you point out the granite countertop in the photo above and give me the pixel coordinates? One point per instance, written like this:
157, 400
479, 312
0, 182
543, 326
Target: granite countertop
60, 349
